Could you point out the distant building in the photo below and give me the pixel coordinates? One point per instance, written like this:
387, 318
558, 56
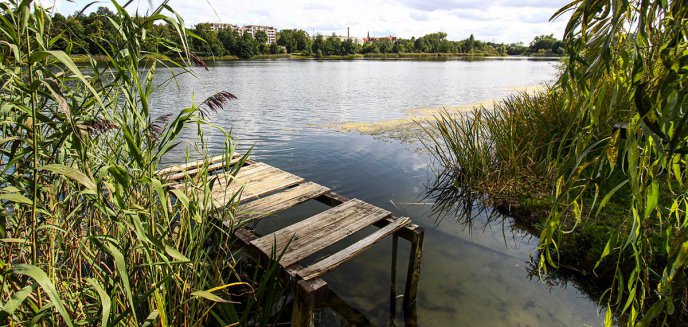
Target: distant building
376, 38
354, 40
221, 26
270, 31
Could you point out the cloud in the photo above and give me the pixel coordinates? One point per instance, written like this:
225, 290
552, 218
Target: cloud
317, 6
419, 16
439, 5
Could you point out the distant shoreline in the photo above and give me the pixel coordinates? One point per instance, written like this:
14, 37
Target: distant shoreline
370, 56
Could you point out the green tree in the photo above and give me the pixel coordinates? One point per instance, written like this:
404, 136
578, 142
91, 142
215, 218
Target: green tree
516, 49
348, 47
629, 52
384, 45
545, 43
470, 44
247, 46
370, 47
421, 45
261, 39
230, 40
333, 46
274, 48
294, 40
318, 45
207, 43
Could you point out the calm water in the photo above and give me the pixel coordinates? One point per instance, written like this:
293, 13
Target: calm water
470, 277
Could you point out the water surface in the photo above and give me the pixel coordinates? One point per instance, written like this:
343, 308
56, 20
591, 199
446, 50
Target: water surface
470, 276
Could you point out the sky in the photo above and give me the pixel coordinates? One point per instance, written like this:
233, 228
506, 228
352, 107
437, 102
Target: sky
488, 20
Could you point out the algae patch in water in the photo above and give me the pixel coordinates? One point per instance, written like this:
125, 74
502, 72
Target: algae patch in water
410, 128
406, 129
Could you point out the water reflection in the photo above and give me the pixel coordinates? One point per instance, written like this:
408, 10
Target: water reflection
466, 208
458, 203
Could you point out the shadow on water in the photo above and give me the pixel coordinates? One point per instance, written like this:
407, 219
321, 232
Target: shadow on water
468, 208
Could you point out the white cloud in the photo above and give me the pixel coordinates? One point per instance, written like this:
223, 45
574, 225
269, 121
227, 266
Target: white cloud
498, 20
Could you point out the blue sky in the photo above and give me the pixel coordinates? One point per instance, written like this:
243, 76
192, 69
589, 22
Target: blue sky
498, 20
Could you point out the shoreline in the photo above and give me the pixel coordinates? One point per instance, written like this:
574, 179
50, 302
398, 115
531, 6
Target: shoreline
82, 58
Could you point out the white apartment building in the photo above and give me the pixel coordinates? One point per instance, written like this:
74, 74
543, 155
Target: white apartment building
269, 30
219, 26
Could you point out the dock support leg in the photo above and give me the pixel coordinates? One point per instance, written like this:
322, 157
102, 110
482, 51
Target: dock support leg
393, 284
305, 297
413, 277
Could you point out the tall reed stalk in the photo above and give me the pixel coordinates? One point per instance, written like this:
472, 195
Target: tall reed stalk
89, 234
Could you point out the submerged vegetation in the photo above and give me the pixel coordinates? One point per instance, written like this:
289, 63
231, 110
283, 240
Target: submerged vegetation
598, 163
89, 233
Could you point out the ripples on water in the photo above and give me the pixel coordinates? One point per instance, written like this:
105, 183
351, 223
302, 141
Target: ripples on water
469, 277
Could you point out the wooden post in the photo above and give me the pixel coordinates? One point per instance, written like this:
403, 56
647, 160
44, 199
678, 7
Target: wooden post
413, 275
305, 296
393, 283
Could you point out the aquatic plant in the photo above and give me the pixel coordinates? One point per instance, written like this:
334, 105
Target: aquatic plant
513, 148
89, 233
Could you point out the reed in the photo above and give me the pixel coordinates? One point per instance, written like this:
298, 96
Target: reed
508, 150
89, 233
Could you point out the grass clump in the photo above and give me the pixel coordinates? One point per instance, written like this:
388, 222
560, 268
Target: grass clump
507, 151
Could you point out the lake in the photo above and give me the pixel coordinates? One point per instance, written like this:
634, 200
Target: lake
474, 275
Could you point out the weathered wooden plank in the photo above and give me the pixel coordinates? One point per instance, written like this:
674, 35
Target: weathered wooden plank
194, 171
192, 165
281, 201
333, 199
225, 178
270, 184
320, 231
254, 184
244, 173
328, 264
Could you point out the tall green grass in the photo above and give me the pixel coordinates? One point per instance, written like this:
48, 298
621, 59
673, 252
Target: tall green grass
504, 151
89, 234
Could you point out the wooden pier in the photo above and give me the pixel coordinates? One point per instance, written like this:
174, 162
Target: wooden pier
266, 190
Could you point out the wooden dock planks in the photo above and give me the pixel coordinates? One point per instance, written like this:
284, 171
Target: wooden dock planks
266, 190
253, 180
175, 172
333, 261
280, 201
320, 231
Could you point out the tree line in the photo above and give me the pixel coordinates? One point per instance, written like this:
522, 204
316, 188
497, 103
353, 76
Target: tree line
83, 34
